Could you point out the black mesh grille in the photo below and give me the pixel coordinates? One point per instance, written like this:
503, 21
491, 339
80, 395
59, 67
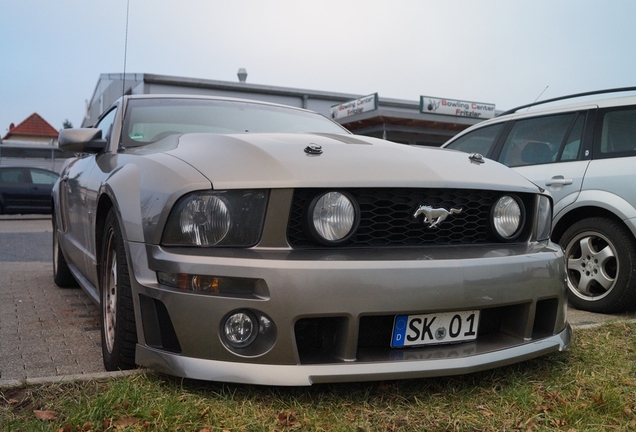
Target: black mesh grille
386, 217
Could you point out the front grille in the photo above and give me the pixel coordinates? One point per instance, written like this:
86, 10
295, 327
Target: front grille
386, 217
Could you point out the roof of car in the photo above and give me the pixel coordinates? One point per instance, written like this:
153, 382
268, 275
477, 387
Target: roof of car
533, 110
592, 100
600, 97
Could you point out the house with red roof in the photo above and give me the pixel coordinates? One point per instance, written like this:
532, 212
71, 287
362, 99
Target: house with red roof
33, 129
32, 143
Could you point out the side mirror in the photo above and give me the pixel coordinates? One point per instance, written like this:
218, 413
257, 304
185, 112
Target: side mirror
81, 140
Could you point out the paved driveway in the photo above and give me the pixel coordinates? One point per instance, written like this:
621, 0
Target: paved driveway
44, 330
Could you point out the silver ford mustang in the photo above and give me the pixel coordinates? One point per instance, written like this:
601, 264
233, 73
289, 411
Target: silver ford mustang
242, 241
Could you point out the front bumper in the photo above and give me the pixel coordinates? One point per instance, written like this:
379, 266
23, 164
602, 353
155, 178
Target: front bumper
521, 287
302, 375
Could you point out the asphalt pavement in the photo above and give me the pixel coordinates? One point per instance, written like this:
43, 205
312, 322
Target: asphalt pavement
50, 334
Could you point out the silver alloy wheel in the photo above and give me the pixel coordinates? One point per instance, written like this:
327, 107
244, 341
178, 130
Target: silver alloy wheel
592, 265
109, 296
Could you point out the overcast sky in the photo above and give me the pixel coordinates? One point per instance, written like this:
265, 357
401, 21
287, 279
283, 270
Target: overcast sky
502, 52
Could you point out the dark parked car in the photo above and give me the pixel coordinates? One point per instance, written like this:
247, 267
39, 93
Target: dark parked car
26, 189
234, 240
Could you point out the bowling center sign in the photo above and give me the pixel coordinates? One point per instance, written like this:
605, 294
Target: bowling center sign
457, 108
357, 106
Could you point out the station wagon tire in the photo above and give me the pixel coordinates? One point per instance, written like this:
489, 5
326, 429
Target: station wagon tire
601, 265
62, 275
119, 335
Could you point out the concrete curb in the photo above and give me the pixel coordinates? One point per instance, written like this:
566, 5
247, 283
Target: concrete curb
25, 217
98, 376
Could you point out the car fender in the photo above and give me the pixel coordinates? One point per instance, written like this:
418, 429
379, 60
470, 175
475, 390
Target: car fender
563, 206
607, 201
143, 192
122, 187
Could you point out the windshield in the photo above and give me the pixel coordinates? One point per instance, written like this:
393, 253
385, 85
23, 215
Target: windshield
150, 120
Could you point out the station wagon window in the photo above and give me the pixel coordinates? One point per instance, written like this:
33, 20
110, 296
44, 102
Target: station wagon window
480, 141
572, 145
618, 133
536, 140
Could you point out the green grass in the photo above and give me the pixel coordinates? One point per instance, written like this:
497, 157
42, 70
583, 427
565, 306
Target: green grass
592, 387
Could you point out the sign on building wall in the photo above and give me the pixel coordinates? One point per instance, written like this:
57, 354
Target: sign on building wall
358, 106
458, 108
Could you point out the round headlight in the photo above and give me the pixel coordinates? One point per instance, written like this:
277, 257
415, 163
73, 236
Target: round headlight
240, 329
205, 220
507, 217
332, 216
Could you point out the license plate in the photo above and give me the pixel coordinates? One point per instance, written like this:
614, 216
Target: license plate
437, 328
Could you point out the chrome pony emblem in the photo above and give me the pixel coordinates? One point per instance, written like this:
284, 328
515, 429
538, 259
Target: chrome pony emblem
434, 216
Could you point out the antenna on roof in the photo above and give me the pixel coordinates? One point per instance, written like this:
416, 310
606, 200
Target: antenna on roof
546, 87
120, 146
123, 85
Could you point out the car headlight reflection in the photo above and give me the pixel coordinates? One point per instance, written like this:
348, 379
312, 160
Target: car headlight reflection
332, 217
217, 218
507, 217
205, 220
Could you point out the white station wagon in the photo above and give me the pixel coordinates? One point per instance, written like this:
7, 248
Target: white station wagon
584, 155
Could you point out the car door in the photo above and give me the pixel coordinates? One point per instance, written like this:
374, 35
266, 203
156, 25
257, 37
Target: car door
552, 151
15, 189
74, 212
41, 186
612, 172
78, 209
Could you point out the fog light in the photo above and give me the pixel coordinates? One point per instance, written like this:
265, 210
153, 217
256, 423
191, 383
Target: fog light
240, 329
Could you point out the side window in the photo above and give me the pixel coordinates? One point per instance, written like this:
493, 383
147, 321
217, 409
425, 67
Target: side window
106, 123
572, 145
618, 133
13, 175
479, 141
43, 177
536, 140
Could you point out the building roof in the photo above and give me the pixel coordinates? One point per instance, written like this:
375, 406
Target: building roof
397, 120
33, 126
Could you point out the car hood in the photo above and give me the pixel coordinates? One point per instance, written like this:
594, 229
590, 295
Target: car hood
243, 161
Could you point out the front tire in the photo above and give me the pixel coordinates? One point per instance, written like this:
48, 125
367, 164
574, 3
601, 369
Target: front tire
62, 275
601, 265
119, 334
